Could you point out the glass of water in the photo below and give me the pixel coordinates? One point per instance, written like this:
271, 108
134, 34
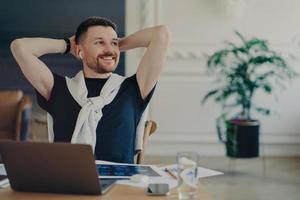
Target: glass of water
187, 175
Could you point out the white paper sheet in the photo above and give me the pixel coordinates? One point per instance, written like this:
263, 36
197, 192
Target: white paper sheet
4, 182
202, 172
2, 170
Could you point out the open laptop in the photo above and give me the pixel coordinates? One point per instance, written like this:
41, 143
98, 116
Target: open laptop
52, 168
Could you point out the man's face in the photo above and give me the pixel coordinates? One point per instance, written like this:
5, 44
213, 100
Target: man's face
100, 49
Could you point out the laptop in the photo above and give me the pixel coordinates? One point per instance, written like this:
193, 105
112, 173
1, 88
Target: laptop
52, 168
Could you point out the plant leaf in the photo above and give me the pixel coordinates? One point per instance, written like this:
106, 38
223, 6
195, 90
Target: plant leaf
209, 94
263, 111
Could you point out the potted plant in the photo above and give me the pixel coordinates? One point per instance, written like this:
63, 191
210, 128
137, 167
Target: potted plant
242, 70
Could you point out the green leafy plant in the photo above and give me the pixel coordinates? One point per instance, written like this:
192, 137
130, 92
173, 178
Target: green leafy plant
241, 71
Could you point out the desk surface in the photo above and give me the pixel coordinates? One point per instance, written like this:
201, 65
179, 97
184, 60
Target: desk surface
118, 192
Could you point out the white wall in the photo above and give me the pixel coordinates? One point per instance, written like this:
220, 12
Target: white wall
199, 27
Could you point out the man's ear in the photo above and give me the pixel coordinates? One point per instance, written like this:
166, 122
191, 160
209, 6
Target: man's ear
79, 53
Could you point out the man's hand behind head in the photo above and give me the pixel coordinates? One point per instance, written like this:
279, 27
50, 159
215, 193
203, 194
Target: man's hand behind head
73, 47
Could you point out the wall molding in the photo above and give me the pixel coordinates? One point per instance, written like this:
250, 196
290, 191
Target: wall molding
196, 137
208, 144
204, 149
185, 54
185, 50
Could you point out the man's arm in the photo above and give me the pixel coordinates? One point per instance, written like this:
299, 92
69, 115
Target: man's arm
156, 40
26, 52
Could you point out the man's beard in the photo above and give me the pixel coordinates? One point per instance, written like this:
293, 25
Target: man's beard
100, 68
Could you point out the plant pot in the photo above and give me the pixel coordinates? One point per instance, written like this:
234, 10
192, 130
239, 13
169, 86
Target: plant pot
242, 138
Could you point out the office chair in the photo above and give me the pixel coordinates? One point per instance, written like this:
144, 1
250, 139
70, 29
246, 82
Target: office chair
15, 110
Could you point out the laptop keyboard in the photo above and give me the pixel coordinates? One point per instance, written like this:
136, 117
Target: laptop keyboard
105, 183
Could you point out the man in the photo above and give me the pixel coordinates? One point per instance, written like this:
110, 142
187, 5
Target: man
74, 106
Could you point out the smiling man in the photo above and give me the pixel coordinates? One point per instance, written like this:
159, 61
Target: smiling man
96, 106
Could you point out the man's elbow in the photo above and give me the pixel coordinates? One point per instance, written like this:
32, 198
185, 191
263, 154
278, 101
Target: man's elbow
164, 33
17, 45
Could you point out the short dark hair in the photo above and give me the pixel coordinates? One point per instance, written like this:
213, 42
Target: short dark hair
92, 21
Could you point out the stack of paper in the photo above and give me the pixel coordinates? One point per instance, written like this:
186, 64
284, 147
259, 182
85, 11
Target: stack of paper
3, 179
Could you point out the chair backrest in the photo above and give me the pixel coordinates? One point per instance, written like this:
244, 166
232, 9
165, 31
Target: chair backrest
150, 128
15, 110
9, 104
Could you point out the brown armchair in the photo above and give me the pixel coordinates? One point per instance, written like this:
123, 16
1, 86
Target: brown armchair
15, 110
150, 128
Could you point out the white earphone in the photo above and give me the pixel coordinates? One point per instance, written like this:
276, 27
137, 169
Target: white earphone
80, 55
